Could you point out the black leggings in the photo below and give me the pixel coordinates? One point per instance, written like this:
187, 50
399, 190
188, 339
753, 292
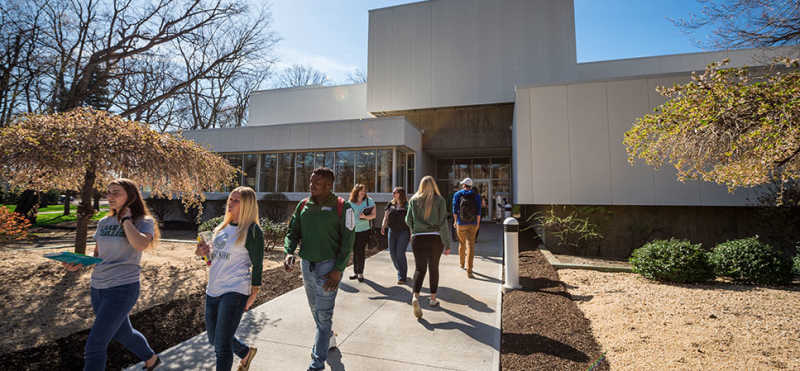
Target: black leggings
358, 251
427, 251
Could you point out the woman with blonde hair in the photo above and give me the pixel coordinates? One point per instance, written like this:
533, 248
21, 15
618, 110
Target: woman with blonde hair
426, 217
236, 254
364, 207
121, 237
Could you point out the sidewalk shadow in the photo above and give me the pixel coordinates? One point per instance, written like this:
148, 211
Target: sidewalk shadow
395, 293
454, 296
527, 344
347, 288
477, 330
485, 278
335, 360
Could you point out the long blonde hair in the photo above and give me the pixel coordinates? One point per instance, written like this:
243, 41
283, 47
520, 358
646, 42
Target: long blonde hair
248, 212
427, 191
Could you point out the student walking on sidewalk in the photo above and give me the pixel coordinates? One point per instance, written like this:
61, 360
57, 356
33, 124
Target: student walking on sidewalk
364, 208
121, 237
467, 209
237, 255
324, 227
395, 219
427, 219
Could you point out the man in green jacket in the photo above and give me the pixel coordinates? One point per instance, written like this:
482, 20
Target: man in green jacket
324, 227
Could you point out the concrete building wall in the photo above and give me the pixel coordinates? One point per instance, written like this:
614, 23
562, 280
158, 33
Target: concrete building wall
444, 53
308, 104
376, 132
568, 144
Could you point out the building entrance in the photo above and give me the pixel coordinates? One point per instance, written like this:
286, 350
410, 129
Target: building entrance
491, 177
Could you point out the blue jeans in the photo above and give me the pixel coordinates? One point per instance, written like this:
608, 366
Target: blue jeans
321, 303
111, 308
398, 244
223, 314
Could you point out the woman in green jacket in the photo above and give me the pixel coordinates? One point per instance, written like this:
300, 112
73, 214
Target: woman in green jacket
427, 215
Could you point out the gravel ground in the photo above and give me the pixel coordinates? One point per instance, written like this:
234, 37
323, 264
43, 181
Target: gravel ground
645, 325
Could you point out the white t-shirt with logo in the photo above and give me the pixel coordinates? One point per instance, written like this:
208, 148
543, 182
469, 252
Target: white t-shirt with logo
230, 264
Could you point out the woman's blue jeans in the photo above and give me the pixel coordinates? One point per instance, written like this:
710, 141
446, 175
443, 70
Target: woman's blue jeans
398, 244
111, 308
223, 314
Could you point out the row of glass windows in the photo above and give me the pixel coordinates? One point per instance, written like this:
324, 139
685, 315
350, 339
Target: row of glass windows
291, 171
482, 168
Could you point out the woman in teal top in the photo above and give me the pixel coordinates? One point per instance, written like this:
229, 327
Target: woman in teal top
364, 207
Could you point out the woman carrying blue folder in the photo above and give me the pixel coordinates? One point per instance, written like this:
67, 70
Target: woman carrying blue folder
121, 237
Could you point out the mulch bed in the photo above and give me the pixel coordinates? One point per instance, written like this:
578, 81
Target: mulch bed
163, 325
543, 329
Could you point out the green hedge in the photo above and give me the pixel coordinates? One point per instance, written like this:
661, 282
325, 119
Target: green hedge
748, 260
672, 260
274, 232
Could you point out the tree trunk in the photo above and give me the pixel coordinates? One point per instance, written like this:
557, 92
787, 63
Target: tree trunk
67, 197
85, 210
28, 205
96, 201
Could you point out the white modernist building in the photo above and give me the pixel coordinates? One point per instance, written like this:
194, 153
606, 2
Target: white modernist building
485, 89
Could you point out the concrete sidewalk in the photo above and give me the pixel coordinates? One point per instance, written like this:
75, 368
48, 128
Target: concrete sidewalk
375, 327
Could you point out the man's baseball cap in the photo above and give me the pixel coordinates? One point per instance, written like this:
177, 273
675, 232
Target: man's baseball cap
466, 181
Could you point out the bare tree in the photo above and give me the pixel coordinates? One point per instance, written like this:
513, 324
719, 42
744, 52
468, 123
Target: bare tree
121, 54
299, 75
746, 23
357, 77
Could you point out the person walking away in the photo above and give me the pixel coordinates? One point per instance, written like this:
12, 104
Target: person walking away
427, 219
364, 208
121, 237
234, 278
324, 226
394, 217
467, 209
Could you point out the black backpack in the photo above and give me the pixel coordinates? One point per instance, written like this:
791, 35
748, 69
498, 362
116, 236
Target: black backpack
467, 212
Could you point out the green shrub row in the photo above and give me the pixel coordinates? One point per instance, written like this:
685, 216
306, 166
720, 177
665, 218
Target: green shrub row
746, 260
274, 232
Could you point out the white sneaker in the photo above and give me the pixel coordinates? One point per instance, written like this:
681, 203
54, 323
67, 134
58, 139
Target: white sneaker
433, 303
417, 309
332, 342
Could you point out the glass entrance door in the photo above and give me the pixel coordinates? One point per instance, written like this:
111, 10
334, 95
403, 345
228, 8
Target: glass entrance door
484, 188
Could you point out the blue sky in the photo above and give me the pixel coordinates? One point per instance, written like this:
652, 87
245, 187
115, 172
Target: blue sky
331, 35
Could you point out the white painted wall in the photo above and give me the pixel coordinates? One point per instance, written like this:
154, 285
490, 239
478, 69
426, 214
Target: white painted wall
308, 104
375, 132
568, 148
443, 53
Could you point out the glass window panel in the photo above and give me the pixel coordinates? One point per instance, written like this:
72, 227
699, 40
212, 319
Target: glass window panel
345, 171
324, 159
401, 170
410, 166
304, 166
250, 167
269, 166
286, 172
462, 169
235, 161
501, 168
365, 168
480, 168
384, 170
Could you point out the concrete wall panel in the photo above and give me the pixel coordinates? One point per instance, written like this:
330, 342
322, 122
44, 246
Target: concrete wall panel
577, 154
283, 106
589, 140
550, 146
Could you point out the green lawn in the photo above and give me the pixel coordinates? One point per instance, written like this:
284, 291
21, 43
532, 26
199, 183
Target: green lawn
73, 208
47, 219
